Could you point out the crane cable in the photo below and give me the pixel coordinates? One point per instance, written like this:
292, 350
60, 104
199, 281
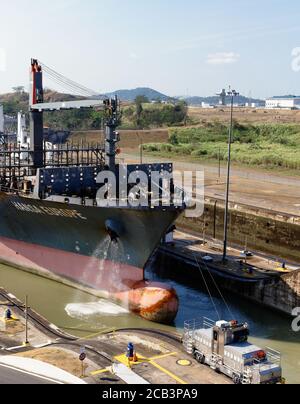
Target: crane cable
64, 79
66, 88
207, 287
64, 82
218, 289
66, 85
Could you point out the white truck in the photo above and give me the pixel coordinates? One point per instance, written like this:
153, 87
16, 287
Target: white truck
225, 348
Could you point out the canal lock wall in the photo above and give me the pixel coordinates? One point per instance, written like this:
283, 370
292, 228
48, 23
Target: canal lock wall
273, 233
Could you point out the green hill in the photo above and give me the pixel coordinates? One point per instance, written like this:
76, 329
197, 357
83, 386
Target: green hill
131, 95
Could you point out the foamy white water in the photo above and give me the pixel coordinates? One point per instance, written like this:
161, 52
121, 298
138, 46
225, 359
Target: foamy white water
83, 311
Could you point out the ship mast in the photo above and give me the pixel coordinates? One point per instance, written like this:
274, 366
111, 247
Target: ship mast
111, 135
36, 116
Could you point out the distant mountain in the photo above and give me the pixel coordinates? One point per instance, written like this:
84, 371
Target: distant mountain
153, 95
19, 101
215, 100
130, 95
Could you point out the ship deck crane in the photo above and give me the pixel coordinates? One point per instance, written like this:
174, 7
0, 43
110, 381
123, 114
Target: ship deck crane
38, 107
66, 105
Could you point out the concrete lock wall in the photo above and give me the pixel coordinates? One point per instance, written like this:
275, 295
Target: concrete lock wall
262, 230
281, 294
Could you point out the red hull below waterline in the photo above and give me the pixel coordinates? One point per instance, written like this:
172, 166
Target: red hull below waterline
124, 283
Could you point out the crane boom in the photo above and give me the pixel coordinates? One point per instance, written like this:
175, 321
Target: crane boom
67, 105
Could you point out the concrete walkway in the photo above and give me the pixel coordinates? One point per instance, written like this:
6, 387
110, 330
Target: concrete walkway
39, 369
127, 375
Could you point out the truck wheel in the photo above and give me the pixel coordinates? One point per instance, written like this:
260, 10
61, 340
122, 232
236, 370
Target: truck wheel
199, 357
236, 379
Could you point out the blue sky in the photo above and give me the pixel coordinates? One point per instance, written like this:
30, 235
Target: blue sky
190, 47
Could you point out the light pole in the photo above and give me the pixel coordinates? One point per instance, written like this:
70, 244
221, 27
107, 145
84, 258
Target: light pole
231, 93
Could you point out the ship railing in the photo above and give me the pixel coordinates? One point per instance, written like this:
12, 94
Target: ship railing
17, 157
274, 356
14, 191
71, 154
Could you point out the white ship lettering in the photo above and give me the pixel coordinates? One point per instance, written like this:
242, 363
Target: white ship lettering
43, 210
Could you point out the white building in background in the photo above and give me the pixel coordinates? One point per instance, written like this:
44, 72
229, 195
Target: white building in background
251, 105
1, 119
207, 106
283, 102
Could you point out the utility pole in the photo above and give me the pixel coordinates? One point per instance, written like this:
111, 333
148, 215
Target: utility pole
232, 94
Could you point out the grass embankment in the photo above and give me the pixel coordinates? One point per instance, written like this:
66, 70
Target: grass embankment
264, 145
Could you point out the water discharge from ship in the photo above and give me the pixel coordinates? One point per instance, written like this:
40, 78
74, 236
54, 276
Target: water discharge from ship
96, 262
90, 311
124, 284
112, 249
